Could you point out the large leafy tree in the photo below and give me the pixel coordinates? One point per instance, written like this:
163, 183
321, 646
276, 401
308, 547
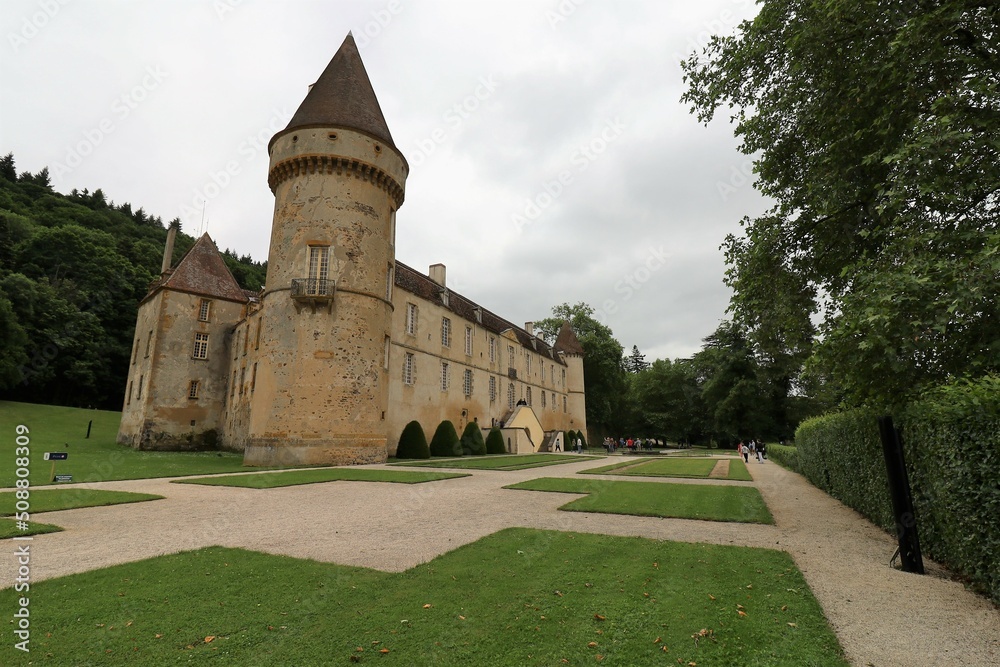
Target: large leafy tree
875, 128
603, 368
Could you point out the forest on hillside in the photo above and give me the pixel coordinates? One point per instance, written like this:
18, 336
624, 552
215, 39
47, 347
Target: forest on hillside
73, 269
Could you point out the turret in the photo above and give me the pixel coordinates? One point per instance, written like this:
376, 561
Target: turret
338, 179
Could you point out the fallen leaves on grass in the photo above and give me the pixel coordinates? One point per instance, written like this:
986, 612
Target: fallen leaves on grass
598, 617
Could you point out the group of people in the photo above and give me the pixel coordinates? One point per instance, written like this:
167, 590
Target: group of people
754, 448
629, 445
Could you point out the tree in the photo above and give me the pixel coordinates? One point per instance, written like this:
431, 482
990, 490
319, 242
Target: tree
494, 442
635, 362
668, 399
875, 129
604, 373
472, 440
445, 441
413, 443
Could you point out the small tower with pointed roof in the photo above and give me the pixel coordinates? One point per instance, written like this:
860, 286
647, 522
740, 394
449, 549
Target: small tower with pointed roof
568, 347
322, 377
176, 391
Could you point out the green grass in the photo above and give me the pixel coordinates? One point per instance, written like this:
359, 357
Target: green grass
97, 459
676, 501
8, 529
500, 462
270, 480
53, 500
517, 597
675, 467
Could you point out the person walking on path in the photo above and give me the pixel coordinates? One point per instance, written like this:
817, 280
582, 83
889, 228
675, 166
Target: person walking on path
745, 452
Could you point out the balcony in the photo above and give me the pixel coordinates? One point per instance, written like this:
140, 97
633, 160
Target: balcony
313, 290
512, 373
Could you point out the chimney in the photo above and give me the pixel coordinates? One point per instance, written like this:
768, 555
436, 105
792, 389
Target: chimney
530, 328
168, 250
436, 273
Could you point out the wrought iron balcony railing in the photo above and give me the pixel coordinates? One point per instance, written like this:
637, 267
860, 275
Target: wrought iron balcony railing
313, 289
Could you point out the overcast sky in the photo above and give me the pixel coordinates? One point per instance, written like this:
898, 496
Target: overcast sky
550, 158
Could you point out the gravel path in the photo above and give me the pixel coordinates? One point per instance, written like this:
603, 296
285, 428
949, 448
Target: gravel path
883, 617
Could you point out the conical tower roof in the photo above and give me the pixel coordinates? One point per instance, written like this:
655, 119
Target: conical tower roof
202, 271
342, 97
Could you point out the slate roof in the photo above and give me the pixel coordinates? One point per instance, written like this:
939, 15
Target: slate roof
422, 286
567, 341
342, 97
202, 271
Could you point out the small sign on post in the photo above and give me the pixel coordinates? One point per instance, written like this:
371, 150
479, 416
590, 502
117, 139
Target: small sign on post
63, 478
55, 456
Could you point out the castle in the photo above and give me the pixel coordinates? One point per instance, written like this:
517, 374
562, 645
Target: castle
345, 345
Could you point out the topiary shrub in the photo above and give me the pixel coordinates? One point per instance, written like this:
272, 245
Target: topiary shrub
445, 441
494, 442
413, 443
569, 439
472, 440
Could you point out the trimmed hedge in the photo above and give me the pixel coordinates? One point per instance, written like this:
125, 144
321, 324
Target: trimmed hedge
495, 443
472, 440
413, 443
784, 455
951, 441
445, 441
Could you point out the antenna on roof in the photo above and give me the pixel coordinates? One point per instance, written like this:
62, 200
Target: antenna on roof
203, 227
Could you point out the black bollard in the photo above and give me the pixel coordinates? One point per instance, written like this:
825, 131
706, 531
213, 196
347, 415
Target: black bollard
902, 502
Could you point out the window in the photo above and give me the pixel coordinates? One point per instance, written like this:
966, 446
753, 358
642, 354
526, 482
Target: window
527, 395
392, 226
552, 372
388, 283
232, 387
193, 389
253, 378
564, 404
553, 401
135, 349
543, 400
411, 319
200, 346
446, 332
408, 368
445, 373
468, 341
243, 379
256, 342
319, 262
385, 353
564, 378
493, 350
246, 339
527, 365
444, 298
510, 356
493, 389
128, 401
138, 393
510, 396
203, 312
541, 369
149, 340
467, 382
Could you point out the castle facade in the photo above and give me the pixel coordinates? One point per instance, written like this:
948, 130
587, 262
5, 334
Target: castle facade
345, 345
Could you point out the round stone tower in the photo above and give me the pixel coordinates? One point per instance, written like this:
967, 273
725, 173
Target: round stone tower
322, 381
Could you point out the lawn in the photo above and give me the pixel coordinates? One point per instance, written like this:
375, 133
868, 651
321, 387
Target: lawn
53, 500
9, 528
673, 467
500, 462
517, 597
676, 501
97, 459
270, 480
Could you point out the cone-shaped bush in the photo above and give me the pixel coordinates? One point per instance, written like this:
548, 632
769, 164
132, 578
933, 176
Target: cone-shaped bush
413, 443
494, 442
583, 439
445, 441
569, 439
472, 440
